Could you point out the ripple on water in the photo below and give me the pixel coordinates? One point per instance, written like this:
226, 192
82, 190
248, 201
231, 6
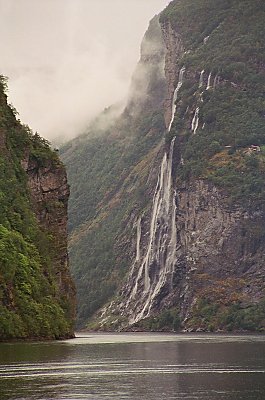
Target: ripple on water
135, 366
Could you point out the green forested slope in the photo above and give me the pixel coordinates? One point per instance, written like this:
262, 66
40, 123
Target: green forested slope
107, 176
108, 170
31, 304
112, 176
226, 40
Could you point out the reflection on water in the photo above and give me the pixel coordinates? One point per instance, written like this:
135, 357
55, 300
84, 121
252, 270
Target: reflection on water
135, 366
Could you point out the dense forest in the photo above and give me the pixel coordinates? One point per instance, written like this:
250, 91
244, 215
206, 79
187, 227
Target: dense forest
231, 119
32, 302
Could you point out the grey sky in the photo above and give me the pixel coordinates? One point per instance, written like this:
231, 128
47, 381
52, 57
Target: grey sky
68, 59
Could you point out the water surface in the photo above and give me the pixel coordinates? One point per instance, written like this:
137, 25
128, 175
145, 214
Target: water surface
135, 366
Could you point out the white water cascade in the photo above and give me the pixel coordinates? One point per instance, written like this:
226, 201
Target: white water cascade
195, 121
201, 79
209, 81
216, 81
160, 212
138, 240
175, 96
153, 268
157, 266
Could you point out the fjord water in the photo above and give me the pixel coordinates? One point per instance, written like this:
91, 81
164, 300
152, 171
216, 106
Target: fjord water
135, 366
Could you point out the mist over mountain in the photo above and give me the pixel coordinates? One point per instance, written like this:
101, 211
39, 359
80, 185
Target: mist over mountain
166, 216
67, 60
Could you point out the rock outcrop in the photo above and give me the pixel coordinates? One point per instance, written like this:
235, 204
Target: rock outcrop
148, 85
49, 192
174, 52
200, 254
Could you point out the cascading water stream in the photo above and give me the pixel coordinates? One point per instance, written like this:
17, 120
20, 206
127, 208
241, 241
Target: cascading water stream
175, 96
153, 269
195, 121
216, 81
138, 240
201, 79
155, 210
162, 236
168, 270
209, 81
157, 265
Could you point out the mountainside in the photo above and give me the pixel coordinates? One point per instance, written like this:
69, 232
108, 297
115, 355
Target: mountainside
191, 255
108, 170
37, 296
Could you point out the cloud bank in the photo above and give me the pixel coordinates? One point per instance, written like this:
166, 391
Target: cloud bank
69, 59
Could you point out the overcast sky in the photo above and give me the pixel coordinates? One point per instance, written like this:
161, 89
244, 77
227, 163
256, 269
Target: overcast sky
69, 59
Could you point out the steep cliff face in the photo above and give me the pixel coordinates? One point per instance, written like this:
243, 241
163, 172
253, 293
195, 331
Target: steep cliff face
199, 257
49, 193
204, 254
108, 170
148, 86
174, 52
37, 295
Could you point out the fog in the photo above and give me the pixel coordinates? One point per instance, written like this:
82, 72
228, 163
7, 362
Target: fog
67, 60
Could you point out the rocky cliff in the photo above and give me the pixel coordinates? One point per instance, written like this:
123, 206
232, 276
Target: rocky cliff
37, 295
49, 193
108, 169
199, 257
169, 232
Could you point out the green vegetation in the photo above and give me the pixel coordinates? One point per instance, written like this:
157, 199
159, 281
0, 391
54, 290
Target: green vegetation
166, 320
108, 171
236, 24
211, 316
30, 301
231, 115
107, 177
111, 171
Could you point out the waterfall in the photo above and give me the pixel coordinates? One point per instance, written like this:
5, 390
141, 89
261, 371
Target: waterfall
155, 268
201, 79
171, 259
195, 121
175, 96
205, 40
138, 239
209, 81
160, 210
157, 264
165, 273
215, 81
155, 212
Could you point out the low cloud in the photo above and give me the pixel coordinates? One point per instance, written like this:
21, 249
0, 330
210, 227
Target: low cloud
69, 59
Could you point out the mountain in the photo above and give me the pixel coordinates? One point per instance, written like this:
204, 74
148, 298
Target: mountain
167, 220
107, 171
37, 294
